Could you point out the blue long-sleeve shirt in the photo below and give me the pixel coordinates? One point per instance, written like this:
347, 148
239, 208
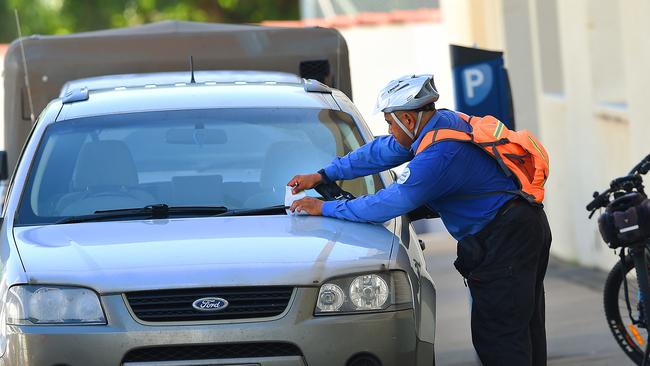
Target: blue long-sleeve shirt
450, 177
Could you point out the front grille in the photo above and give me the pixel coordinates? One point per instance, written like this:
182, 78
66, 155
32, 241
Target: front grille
176, 305
212, 351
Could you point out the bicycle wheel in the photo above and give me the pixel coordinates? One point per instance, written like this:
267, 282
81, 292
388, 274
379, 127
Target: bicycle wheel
629, 332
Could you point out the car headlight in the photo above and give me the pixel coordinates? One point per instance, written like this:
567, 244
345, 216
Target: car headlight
365, 293
40, 304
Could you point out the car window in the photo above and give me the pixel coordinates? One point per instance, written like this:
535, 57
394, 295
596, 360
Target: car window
238, 158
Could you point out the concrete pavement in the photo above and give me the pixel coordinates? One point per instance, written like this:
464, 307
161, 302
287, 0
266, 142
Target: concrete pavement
576, 329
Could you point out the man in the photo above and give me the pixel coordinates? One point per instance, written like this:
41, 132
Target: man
503, 240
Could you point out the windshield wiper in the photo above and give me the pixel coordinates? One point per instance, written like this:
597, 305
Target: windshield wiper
162, 211
271, 210
158, 211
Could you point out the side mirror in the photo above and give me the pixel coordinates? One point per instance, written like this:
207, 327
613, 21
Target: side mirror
4, 167
332, 191
422, 212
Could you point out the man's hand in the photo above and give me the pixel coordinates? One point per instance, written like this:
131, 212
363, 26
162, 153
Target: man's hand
309, 205
303, 182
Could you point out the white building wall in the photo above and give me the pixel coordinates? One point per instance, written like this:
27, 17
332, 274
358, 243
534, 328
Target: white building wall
576, 177
591, 132
636, 50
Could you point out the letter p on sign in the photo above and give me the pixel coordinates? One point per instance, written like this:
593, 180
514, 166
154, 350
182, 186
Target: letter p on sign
478, 83
473, 78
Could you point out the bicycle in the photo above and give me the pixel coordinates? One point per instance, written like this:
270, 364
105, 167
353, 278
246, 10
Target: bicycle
627, 293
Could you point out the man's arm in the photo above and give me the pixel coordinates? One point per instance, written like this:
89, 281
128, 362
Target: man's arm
427, 180
381, 154
378, 155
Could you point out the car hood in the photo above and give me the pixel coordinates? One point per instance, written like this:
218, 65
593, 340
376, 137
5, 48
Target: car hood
120, 256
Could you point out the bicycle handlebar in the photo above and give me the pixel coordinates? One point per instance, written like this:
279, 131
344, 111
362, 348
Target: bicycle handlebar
622, 184
642, 167
600, 200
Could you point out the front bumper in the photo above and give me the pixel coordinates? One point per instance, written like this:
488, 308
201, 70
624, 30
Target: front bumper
323, 341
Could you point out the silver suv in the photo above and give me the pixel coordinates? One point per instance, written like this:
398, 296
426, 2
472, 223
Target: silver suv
145, 225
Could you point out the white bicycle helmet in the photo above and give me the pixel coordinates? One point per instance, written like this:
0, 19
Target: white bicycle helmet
408, 93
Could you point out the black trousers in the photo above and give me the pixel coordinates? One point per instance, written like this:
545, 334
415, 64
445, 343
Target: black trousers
505, 265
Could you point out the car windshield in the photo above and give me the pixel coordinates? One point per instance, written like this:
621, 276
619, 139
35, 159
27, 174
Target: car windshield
237, 158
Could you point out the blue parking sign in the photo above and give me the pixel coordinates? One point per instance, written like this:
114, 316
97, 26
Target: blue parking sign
481, 83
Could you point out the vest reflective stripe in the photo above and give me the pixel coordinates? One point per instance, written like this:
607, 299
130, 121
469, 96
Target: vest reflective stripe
539, 149
498, 130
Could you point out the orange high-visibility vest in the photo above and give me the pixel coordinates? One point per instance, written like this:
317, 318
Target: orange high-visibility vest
519, 153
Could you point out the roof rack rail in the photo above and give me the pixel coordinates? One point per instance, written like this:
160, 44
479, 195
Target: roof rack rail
76, 95
316, 86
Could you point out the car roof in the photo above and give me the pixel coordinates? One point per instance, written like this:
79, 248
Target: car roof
170, 78
173, 91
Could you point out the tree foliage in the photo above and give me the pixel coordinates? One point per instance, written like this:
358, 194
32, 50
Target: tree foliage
71, 16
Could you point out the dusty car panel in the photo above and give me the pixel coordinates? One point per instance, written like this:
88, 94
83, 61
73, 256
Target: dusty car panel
113, 257
195, 97
170, 78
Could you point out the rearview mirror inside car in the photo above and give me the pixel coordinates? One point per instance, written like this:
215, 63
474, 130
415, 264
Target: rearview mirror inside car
196, 136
